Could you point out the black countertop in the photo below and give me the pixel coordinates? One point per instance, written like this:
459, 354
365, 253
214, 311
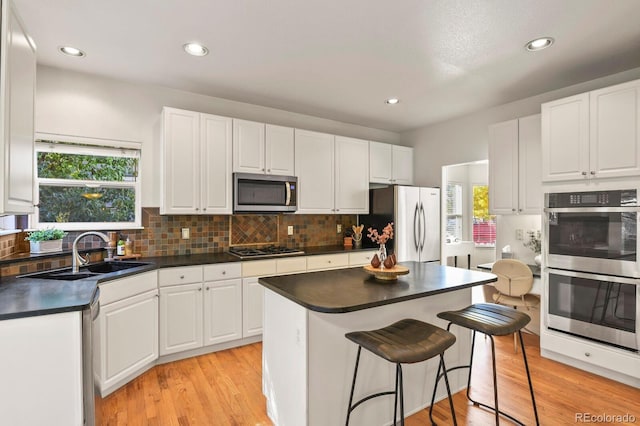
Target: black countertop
353, 289
25, 297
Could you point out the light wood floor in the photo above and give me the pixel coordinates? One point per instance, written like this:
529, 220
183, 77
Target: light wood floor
224, 388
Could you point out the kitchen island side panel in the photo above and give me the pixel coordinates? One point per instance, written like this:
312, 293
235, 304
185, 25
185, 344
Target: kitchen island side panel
321, 392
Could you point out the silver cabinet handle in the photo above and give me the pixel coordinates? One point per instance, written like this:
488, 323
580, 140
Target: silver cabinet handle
587, 354
584, 173
207, 288
182, 277
513, 210
200, 289
224, 272
593, 172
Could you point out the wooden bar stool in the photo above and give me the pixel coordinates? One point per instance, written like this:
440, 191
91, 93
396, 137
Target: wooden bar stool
404, 342
492, 320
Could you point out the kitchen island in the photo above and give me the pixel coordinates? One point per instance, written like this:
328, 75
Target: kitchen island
307, 362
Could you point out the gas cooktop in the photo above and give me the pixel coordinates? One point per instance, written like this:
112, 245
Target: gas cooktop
248, 252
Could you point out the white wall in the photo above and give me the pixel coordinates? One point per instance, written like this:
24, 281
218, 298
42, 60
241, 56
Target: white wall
464, 139
79, 104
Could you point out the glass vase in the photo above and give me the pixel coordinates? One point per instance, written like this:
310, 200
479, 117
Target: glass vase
382, 254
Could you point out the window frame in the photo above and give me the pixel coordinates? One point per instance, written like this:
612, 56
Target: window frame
458, 216
492, 216
90, 146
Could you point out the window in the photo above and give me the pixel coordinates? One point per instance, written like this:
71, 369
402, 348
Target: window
484, 224
86, 186
454, 211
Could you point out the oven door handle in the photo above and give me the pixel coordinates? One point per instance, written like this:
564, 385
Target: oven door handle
597, 277
592, 209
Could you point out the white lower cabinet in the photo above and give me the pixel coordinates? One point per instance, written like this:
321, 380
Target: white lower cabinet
199, 306
126, 330
253, 294
180, 318
361, 258
328, 261
41, 370
252, 307
222, 311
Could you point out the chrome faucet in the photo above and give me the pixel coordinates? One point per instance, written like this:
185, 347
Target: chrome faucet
78, 260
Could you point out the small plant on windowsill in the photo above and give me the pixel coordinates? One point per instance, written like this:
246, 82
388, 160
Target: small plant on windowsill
45, 240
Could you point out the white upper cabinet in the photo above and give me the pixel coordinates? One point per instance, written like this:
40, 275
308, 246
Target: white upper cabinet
260, 148
17, 96
279, 150
196, 157
314, 154
390, 164
248, 146
592, 135
615, 130
332, 173
352, 172
515, 163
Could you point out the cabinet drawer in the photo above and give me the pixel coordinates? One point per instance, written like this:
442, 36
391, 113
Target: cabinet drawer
222, 271
291, 264
259, 268
592, 353
182, 275
361, 257
327, 261
112, 291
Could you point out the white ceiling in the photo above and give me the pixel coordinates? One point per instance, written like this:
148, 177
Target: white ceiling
340, 59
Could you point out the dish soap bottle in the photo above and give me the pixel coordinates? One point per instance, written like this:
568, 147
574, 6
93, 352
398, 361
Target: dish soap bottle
128, 247
120, 248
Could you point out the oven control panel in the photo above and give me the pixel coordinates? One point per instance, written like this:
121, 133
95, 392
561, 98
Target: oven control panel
617, 198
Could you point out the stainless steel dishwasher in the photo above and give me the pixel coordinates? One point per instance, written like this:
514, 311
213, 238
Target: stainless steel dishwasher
89, 393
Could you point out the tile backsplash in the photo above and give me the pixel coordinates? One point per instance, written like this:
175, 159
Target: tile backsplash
162, 236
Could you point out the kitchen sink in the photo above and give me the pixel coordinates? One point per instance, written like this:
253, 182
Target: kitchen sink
93, 270
60, 275
106, 267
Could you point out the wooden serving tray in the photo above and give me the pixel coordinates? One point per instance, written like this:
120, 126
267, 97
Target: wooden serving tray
387, 274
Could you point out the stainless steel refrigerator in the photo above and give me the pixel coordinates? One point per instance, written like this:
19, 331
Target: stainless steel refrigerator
415, 213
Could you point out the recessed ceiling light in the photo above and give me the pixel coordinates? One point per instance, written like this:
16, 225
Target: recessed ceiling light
72, 51
195, 49
392, 101
539, 44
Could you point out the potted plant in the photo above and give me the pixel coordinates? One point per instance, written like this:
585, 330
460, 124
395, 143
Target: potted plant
45, 240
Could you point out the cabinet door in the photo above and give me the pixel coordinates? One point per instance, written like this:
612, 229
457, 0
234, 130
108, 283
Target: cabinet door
615, 131
380, 163
314, 153
180, 318
222, 311
16, 124
216, 144
503, 167
530, 166
402, 170
352, 176
248, 146
279, 149
128, 333
252, 307
181, 161
565, 138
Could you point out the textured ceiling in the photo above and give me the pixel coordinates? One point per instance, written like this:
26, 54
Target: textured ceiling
340, 59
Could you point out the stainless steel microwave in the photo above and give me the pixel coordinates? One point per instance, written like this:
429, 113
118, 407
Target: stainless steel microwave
255, 193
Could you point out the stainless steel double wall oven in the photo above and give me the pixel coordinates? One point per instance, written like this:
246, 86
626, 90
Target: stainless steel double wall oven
592, 265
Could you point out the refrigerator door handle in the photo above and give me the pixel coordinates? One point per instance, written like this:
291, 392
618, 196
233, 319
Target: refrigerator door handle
423, 226
415, 227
